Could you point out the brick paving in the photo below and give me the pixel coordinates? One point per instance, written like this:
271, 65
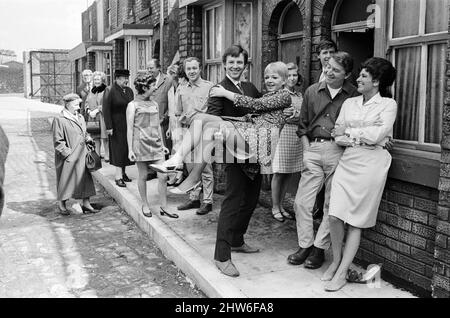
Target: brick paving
44, 254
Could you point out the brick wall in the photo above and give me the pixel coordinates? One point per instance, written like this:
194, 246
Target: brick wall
92, 10
441, 268
118, 58
190, 32
404, 236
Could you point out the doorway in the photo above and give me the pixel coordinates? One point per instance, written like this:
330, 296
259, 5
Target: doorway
353, 30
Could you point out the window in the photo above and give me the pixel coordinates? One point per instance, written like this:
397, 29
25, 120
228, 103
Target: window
418, 32
290, 34
145, 4
108, 13
130, 9
353, 30
142, 54
214, 18
91, 31
243, 28
107, 66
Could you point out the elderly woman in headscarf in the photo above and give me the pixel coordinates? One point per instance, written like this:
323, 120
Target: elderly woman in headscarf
73, 180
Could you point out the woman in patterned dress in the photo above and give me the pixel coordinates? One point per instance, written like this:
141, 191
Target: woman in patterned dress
144, 139
251, 137
364, 126
288, 154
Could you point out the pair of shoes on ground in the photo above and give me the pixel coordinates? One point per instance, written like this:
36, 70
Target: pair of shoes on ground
312, 257
280, 216
162, 212
203, 208
355, 277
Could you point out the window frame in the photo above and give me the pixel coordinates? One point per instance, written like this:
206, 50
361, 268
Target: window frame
108, 14
300, 35
424, 41
210, 62
146, 53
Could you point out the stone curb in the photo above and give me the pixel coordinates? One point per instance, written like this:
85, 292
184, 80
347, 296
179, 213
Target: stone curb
203, 273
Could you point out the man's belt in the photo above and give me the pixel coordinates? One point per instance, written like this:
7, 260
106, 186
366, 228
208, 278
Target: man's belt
321, 139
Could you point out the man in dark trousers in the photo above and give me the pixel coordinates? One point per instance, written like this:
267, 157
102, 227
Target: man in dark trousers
4, 147
243, 180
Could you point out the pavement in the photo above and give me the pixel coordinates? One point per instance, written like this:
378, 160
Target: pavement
190, 240
44, 254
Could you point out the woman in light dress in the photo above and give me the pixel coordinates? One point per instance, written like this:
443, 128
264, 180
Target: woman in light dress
145, 143
364, 126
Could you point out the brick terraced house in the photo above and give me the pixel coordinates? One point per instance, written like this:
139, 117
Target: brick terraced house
412, 236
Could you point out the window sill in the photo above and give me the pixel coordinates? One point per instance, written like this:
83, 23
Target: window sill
416, 166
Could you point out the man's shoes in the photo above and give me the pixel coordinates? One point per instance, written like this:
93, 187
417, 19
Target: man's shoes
121, 183
315, 259
125, 178
205, 208
245, 249
227, 268
300, 256
189, 205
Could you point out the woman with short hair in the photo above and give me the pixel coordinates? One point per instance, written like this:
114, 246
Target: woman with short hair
289, 152
364, 127
73, 179
145, 143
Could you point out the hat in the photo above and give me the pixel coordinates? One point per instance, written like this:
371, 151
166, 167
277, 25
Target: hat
118, 73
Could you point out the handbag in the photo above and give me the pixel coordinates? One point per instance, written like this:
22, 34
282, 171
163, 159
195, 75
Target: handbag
93, 127
93, 161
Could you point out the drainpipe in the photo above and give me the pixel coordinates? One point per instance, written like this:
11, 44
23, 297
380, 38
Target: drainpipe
161, 32
307, 43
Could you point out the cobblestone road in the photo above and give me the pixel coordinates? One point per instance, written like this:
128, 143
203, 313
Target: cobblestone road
43, 254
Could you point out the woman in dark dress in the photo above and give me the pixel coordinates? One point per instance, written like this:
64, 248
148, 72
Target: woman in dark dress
115, 101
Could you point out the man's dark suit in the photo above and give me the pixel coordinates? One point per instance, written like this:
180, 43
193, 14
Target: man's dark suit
243, 181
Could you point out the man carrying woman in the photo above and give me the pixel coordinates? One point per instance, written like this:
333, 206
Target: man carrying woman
251, 130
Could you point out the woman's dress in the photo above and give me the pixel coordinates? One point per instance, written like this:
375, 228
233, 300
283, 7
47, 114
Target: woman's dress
147, 142
361, 174
288, 156
261, 130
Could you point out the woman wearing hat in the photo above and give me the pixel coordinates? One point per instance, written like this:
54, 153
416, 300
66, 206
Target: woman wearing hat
73, 180
115, 101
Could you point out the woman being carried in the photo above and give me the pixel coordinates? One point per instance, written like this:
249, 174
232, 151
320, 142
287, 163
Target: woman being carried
250, 137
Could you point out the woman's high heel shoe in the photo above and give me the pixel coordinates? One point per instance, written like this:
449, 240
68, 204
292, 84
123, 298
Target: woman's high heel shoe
166, 169
146, 214
88, 210
178, 191
170, 215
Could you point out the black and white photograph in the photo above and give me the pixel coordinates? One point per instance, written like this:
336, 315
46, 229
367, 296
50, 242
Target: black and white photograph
225, 156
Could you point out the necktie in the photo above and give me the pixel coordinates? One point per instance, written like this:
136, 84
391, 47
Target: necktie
238, 85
